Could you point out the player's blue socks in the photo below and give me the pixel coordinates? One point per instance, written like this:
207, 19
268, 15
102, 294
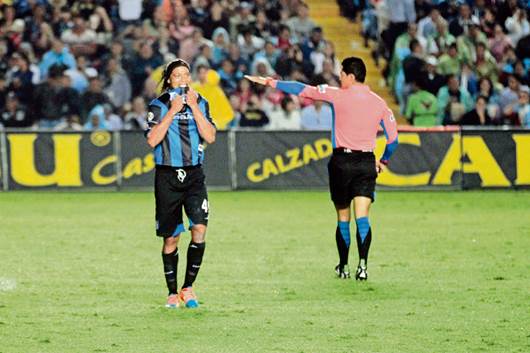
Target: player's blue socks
342, 236
195, 253
364, 238
170, 270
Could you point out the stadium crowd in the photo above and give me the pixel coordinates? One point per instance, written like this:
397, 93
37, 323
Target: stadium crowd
96, 64
452, 62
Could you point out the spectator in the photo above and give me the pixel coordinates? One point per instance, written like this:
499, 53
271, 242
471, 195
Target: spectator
287, 117
485, 65
244, 19
449, 63
44, 107
284, 38
217, 18
22, 79
427, 25
96, 122
229, 76
523, 109
433, 80
92, 97
460, 25
80, 38
401, 15
453, 102
517, 25
317, 116
486, 89
479, 115
234, 54
14, 115
58, 55
207, 85
221, 40
467, 43
269, 52
249, 44
440, 41
499, 43
263, 28
508, 100
136, 118
315, 42
301, 25
254, 116
119, 87
422, 108
145, 61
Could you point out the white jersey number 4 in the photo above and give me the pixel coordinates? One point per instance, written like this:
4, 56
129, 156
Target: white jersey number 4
205, 205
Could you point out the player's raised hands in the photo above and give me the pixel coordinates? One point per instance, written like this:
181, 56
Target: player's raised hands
177, 103
259, 79
191, 97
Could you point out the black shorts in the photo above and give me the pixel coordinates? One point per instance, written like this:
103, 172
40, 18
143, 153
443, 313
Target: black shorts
350, 175
176, 188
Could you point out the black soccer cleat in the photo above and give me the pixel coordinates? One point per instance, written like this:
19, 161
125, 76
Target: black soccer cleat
342, 272
361, 274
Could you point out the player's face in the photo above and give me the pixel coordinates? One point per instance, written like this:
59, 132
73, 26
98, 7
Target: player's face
180, 76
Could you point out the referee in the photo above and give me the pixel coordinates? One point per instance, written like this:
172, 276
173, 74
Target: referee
357, 115
178, 123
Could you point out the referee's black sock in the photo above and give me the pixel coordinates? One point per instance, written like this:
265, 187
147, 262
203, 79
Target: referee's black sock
364, 238
170, 270
195, 253
342, 236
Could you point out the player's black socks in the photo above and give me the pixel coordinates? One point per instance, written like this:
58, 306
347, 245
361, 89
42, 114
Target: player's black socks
342, 236
170, 270
195, 253
364, 238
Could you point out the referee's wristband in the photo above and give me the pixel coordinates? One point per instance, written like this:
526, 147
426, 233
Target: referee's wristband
382, 161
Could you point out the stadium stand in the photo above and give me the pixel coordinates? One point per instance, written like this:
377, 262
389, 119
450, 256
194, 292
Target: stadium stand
451, 62
95, 64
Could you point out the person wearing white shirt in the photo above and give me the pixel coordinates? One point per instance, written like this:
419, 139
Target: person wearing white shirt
286, 118
317, 116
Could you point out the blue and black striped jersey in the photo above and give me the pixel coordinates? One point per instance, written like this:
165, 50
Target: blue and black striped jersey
182, 146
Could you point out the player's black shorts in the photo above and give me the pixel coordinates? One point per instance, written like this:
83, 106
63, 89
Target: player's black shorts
176, 188
351, 174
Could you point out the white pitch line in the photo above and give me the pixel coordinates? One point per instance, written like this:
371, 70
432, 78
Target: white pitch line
7, 284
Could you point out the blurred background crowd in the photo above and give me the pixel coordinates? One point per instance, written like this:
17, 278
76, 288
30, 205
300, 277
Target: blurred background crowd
96, 64
452, 62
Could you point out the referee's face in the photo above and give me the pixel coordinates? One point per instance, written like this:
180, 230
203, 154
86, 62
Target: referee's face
346, 80
180, 76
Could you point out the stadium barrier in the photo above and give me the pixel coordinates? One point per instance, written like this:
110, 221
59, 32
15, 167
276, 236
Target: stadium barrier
451, 158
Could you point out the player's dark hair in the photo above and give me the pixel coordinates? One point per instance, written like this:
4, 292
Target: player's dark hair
354, 65
169, 69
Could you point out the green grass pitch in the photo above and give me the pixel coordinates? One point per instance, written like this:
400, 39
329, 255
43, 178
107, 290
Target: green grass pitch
82, 272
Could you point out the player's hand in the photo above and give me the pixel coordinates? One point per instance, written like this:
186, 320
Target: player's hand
191, 97
379, 167
177, 103
259, 79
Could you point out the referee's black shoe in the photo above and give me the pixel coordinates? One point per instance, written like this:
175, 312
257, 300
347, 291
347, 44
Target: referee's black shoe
342, 272
361, 274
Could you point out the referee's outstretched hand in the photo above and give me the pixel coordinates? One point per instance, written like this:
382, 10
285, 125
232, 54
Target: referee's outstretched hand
259, 79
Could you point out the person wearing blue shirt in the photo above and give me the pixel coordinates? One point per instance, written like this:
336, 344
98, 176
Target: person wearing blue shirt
179, 122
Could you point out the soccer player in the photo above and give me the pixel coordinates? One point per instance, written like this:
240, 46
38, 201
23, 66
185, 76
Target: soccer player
178, 123
357, 114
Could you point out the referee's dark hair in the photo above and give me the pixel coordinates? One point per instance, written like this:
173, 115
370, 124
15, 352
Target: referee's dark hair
169, 69
354, 65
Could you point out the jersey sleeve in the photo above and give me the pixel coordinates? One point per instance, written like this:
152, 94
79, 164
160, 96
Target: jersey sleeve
155, 112
389, 125
320, 92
